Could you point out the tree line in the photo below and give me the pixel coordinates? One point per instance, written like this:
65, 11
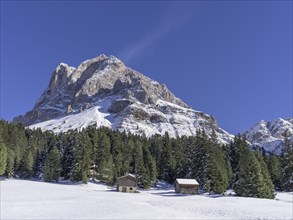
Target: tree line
105, 154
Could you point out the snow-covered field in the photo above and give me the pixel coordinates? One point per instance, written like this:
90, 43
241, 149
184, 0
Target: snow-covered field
22, 199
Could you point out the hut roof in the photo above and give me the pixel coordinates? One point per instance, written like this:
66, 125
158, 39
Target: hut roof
187, 181
128, 175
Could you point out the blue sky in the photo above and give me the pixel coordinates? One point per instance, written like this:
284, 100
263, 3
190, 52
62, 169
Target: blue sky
230, 59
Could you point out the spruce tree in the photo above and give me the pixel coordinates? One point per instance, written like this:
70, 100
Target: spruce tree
274, 168
17, 142
116, 151
149, 161
68, 161
200, 159
128, 162
228, 164
26, 166
3, 158
105, 165
52, 166
156, 152
143, 179
168, 162
82, 161
39, 163
216, 169
234, 155
287, 165
251, 181
178, 150
268, 190
189, 163
10, 163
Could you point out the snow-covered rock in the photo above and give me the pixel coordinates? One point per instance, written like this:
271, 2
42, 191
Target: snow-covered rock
270, 135
103, 91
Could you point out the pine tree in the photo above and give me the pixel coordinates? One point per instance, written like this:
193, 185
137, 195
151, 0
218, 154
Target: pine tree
287, 165
52, 166
3, 158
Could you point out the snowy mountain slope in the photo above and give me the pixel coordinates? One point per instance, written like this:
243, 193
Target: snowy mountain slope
270, 135
182, 122
103, 91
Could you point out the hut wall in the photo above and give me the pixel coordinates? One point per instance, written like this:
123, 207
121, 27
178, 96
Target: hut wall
177, 188
127, 189
187, 189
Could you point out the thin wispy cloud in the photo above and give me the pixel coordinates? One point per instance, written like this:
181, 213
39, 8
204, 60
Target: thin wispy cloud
171, 20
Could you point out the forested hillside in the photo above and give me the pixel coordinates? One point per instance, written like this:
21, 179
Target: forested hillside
105, 154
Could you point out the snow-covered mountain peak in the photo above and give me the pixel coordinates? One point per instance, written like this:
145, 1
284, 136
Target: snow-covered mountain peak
105, 92
270, 134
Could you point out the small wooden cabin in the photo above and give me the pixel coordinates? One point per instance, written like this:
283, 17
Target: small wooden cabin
127, 183
186, 186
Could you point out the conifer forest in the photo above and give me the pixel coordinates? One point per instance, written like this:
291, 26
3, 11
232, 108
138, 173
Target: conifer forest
105, 155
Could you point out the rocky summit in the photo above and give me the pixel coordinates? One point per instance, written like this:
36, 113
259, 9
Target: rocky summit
104, 92
269, 135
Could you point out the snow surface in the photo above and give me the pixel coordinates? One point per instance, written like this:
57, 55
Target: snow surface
75, 121
22, 199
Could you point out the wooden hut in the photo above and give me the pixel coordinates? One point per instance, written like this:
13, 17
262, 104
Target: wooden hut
127, 183
186, 186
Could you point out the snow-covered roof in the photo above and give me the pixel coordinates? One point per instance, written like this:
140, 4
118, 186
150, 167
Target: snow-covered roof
132, 175
187, 181
128, 175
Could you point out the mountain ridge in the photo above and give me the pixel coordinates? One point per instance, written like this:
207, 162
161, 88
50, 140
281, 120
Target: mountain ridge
105, 92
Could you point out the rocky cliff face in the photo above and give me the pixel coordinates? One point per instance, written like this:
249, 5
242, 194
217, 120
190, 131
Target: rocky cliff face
103, 91
270, 135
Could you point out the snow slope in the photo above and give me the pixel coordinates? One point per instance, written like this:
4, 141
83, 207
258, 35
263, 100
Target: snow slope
177, 121
22, 199
75, 121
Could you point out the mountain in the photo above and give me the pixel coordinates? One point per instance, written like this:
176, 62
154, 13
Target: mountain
270, 135
104, 92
